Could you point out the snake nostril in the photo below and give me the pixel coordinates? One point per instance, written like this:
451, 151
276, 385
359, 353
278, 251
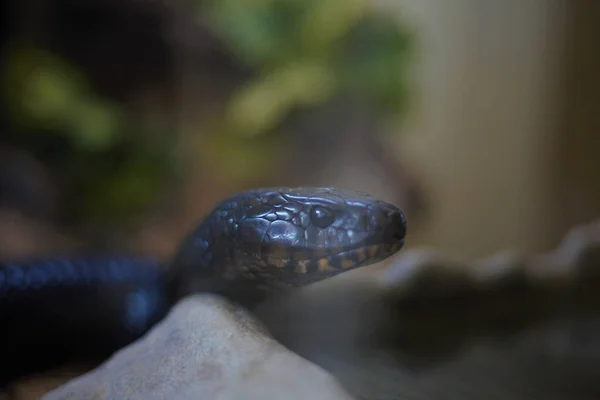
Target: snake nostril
403, 220
397, 235
397, 225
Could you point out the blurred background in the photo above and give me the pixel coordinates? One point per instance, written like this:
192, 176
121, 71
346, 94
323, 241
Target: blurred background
124, 121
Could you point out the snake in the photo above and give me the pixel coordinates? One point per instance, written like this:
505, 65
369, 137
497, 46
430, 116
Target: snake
251, 246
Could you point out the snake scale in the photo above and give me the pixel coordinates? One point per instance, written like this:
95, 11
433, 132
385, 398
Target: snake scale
251, 245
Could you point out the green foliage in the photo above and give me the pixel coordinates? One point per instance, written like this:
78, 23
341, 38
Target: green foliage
111, 166
48, 95
307, 51
120, 186
303, 53
374, 64
266, 34
262, 103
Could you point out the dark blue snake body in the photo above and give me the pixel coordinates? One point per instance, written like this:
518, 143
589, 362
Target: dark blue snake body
253, 244
57, 310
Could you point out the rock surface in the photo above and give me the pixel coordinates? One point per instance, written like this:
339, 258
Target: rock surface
422, 327
205, 349
416, 327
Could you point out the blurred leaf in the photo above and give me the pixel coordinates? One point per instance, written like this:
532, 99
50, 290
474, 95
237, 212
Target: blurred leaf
257, 106
48, 94
262, 104
309, 83
241, 160
95, 125
40, 88
377, 72
257, 31
110, 165
328, 21
305, 50
121, 188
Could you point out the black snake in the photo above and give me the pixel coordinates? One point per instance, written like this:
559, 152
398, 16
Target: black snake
252, 244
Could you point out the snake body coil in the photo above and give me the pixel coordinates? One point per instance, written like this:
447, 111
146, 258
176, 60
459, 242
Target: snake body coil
252, 244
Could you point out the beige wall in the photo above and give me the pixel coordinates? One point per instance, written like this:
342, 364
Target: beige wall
578, 167
486, 134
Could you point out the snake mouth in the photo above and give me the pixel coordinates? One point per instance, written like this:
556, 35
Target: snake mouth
312, 270
306, 264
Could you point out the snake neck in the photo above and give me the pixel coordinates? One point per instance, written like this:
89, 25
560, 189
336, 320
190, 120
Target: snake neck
266, 241
208, 261
211, 259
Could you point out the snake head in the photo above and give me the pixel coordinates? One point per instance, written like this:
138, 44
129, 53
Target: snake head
313, 233
264, 240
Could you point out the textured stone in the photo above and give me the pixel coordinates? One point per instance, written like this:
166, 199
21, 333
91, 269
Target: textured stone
205, 349
415, 327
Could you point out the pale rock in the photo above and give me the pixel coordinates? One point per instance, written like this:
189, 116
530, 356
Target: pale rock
206, 348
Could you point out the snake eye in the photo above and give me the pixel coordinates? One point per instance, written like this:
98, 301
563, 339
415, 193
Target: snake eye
321, 217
